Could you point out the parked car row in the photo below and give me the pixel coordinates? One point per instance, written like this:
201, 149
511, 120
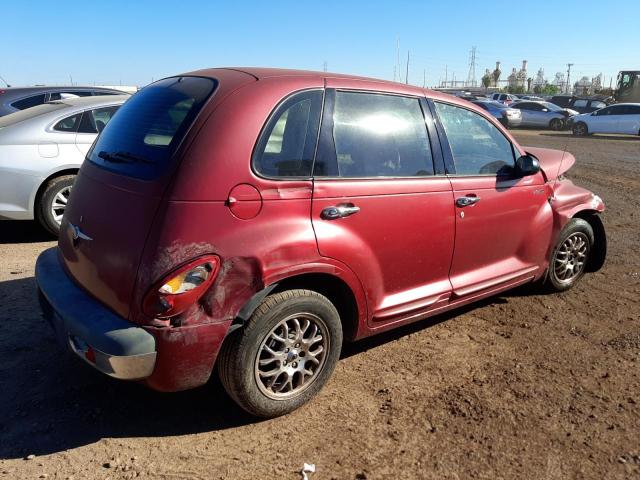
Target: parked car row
584, 116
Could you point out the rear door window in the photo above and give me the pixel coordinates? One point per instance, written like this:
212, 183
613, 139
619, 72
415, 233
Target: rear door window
477, 146
141, 139
378, 135
288, 141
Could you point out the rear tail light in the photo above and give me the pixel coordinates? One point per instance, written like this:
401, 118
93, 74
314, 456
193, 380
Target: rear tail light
181, 288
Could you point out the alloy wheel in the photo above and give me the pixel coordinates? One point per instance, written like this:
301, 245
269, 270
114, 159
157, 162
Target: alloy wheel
571, 257
291, 356
59, 204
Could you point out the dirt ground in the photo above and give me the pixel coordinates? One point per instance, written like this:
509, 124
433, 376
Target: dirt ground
521, 386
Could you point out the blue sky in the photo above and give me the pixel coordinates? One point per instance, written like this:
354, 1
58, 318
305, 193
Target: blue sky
133, 42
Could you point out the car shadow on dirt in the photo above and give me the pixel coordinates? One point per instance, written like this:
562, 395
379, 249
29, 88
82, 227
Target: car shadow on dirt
53, 402
12, 231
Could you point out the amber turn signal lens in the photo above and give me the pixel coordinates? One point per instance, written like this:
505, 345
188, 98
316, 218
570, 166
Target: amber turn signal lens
181, 288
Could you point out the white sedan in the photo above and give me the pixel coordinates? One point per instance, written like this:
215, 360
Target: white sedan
41, 150
619, 118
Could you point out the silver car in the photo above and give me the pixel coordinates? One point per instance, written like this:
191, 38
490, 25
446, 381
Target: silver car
543, 114
41, 150
14, 99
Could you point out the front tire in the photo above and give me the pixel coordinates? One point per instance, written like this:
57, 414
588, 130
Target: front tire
580, 129
556, 124
570, 256
284, 355
53, 202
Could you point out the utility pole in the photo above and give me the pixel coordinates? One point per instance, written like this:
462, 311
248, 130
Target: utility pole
324, 66
445, 75
471, 77
398, 58
569, 65
424, 78
406, 78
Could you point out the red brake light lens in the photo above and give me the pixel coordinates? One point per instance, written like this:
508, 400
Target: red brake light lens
182, 288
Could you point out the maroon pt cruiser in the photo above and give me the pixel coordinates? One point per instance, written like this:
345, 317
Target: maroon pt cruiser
253, 219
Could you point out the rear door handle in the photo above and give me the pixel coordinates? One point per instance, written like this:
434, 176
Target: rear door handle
339, 211
466, 201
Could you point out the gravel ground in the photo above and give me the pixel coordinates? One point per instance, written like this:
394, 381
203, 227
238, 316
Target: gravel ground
519, 386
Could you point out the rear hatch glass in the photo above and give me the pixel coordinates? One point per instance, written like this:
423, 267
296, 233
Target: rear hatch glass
141, 139
112, 202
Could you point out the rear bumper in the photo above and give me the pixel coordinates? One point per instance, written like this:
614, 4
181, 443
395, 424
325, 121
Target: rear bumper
166, 359
101, 338
514, 121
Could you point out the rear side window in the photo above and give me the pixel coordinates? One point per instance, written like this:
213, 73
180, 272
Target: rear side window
478, 147
598, 104
94, 121
141, 139
380, 135
580, 103
29, 102
69, 124
288, 141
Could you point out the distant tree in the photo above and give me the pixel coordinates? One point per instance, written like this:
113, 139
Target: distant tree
549, 89
516, 89
486, 81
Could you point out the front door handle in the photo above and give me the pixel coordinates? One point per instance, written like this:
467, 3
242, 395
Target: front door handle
466, 201
339, 211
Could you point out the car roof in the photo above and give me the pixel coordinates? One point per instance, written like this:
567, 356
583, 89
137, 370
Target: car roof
260, 73
93, 101
56, 88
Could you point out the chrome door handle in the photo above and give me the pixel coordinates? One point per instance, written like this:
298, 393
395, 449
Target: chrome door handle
466, 201
339, 211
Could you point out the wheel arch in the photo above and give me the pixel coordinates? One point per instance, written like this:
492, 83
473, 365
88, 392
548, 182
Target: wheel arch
600, 238
44, 183
334, 288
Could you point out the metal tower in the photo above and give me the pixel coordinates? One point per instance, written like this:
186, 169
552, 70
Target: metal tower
471, 78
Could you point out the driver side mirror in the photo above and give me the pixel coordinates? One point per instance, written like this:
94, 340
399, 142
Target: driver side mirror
527, 165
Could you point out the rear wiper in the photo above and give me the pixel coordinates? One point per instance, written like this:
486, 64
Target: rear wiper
122, 157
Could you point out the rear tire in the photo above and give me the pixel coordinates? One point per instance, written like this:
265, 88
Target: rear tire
570, 256
580, 129
283, 355
53, 201
556, 124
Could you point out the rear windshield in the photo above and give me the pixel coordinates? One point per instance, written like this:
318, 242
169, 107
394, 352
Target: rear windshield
22, 115
141, 138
